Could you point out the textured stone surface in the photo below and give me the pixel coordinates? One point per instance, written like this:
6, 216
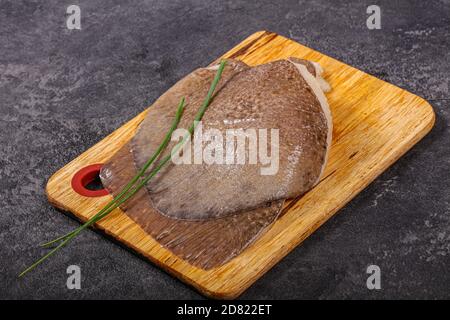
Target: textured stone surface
61, 91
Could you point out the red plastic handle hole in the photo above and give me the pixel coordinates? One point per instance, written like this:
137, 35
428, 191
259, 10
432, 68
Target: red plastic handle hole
85, 176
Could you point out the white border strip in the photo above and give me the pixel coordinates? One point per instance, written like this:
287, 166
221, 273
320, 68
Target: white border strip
318, 86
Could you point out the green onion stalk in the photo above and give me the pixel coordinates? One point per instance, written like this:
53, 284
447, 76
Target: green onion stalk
140, 179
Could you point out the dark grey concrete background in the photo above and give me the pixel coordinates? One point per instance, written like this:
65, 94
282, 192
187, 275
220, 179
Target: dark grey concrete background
61, 91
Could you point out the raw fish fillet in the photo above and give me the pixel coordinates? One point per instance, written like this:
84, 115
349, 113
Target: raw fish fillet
208, 213
271, 96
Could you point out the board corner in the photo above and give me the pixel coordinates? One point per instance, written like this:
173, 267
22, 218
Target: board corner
430, 111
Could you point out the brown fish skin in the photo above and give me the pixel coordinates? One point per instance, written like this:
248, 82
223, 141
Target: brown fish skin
210, 242
273, 95
204, 244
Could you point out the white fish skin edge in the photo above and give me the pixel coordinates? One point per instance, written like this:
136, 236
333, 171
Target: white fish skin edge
319, 86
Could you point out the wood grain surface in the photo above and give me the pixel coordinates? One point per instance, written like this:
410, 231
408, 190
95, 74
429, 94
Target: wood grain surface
374, 124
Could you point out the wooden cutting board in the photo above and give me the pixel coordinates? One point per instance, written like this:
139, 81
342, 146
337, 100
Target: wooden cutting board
374, 124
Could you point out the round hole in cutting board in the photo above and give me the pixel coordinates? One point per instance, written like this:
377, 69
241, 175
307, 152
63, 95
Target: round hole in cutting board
95, 184
86, 181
